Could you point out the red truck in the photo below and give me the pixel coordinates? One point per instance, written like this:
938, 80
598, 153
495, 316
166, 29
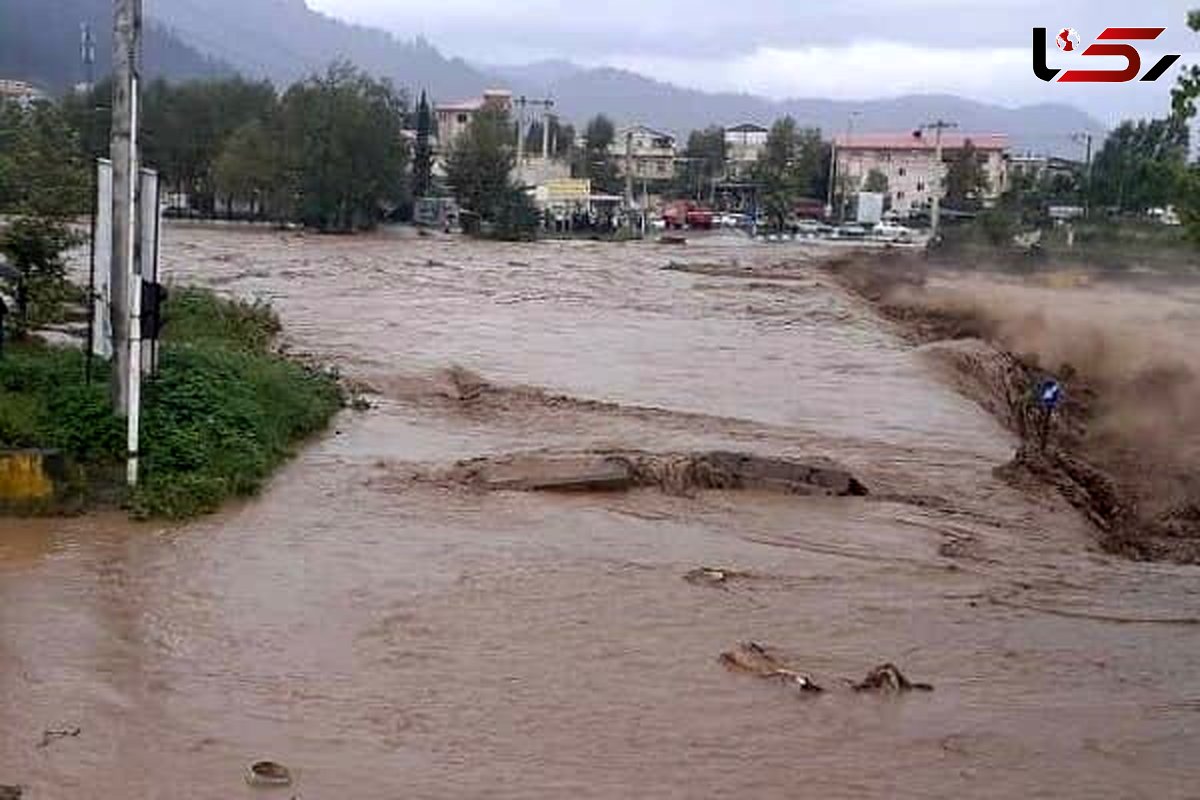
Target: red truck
686, 214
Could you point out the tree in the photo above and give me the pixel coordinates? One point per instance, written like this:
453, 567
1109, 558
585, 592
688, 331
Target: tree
345, 154
423, 153
704, 162
43, 186
595, 160
966, 180
876, 181
481, 162
1183, 110
794, 165
186, 126
251, 170
1140, 165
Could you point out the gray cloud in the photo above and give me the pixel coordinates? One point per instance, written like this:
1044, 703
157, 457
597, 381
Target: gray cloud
790, 48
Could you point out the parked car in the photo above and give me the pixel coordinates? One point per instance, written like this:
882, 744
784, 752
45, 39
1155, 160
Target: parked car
891, 232
851, 230
812, 227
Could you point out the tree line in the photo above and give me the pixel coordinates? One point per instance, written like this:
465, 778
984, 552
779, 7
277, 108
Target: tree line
328, 152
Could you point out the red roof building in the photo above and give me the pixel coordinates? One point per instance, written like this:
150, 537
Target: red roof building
908, 163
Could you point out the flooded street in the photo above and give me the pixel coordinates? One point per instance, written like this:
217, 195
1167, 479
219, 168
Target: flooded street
389, 637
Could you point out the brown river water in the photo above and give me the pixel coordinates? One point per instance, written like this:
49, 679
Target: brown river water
387, 638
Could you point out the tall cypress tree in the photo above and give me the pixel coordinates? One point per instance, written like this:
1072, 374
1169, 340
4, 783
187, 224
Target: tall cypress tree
423, 157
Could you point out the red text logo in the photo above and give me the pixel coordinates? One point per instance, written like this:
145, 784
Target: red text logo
1112, 42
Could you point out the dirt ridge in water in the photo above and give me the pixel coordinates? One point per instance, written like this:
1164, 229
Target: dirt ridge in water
672, 473
1133, 482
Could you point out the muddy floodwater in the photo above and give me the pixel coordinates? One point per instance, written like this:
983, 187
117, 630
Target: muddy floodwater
385, 636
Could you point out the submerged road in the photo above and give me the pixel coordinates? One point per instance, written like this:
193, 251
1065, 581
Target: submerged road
389, 637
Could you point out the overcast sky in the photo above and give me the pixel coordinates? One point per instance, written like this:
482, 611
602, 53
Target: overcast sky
797, 48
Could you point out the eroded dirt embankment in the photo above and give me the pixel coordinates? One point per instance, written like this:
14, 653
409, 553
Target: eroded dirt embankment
1123, 445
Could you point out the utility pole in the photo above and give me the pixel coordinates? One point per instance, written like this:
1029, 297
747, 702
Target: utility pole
1086, 138
845, 210
629, 174
87, 55
935, 206
127, 29
521, 101
833, 171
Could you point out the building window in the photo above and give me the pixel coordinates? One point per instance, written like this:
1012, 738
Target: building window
462, 119
920, 186
900, 195
903, 172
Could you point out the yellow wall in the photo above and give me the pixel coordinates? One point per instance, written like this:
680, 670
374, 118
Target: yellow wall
23, 477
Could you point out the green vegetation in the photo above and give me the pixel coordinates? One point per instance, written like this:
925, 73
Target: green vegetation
222, 414
795, 165
479, 172
704, 163
327, 153
43, 184
423, 152
594, 160
966, 179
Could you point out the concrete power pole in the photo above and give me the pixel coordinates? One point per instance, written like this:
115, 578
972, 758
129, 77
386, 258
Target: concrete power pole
1086, 138
521, 101
845, 204
127, 29
629, 170
935, 207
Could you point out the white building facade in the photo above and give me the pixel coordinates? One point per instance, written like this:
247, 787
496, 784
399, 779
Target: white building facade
744, 145
909, 163
453, 119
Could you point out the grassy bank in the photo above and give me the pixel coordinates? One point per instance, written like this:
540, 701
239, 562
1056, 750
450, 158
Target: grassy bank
223, 413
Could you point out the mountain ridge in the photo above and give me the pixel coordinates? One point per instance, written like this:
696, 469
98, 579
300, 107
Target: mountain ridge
285, 40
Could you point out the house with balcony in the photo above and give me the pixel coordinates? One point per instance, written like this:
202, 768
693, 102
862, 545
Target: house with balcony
647, 153
453, 119
744, 145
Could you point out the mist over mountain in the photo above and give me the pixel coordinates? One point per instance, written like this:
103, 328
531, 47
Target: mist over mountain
40, 43
629, 96
285, 40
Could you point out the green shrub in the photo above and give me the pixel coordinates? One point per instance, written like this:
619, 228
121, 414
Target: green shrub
219, 420
221, 415
199, 316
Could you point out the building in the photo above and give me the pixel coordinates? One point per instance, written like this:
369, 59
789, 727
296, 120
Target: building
908, 162
453, 119
20, 92
1037, 168
744, 144
650, 153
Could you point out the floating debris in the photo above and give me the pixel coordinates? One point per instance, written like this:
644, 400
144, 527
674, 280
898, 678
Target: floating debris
708, 576
268, 773
52, 735
761, 661
888, 678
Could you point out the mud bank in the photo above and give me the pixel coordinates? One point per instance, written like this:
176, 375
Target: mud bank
1120, 449
673, 473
